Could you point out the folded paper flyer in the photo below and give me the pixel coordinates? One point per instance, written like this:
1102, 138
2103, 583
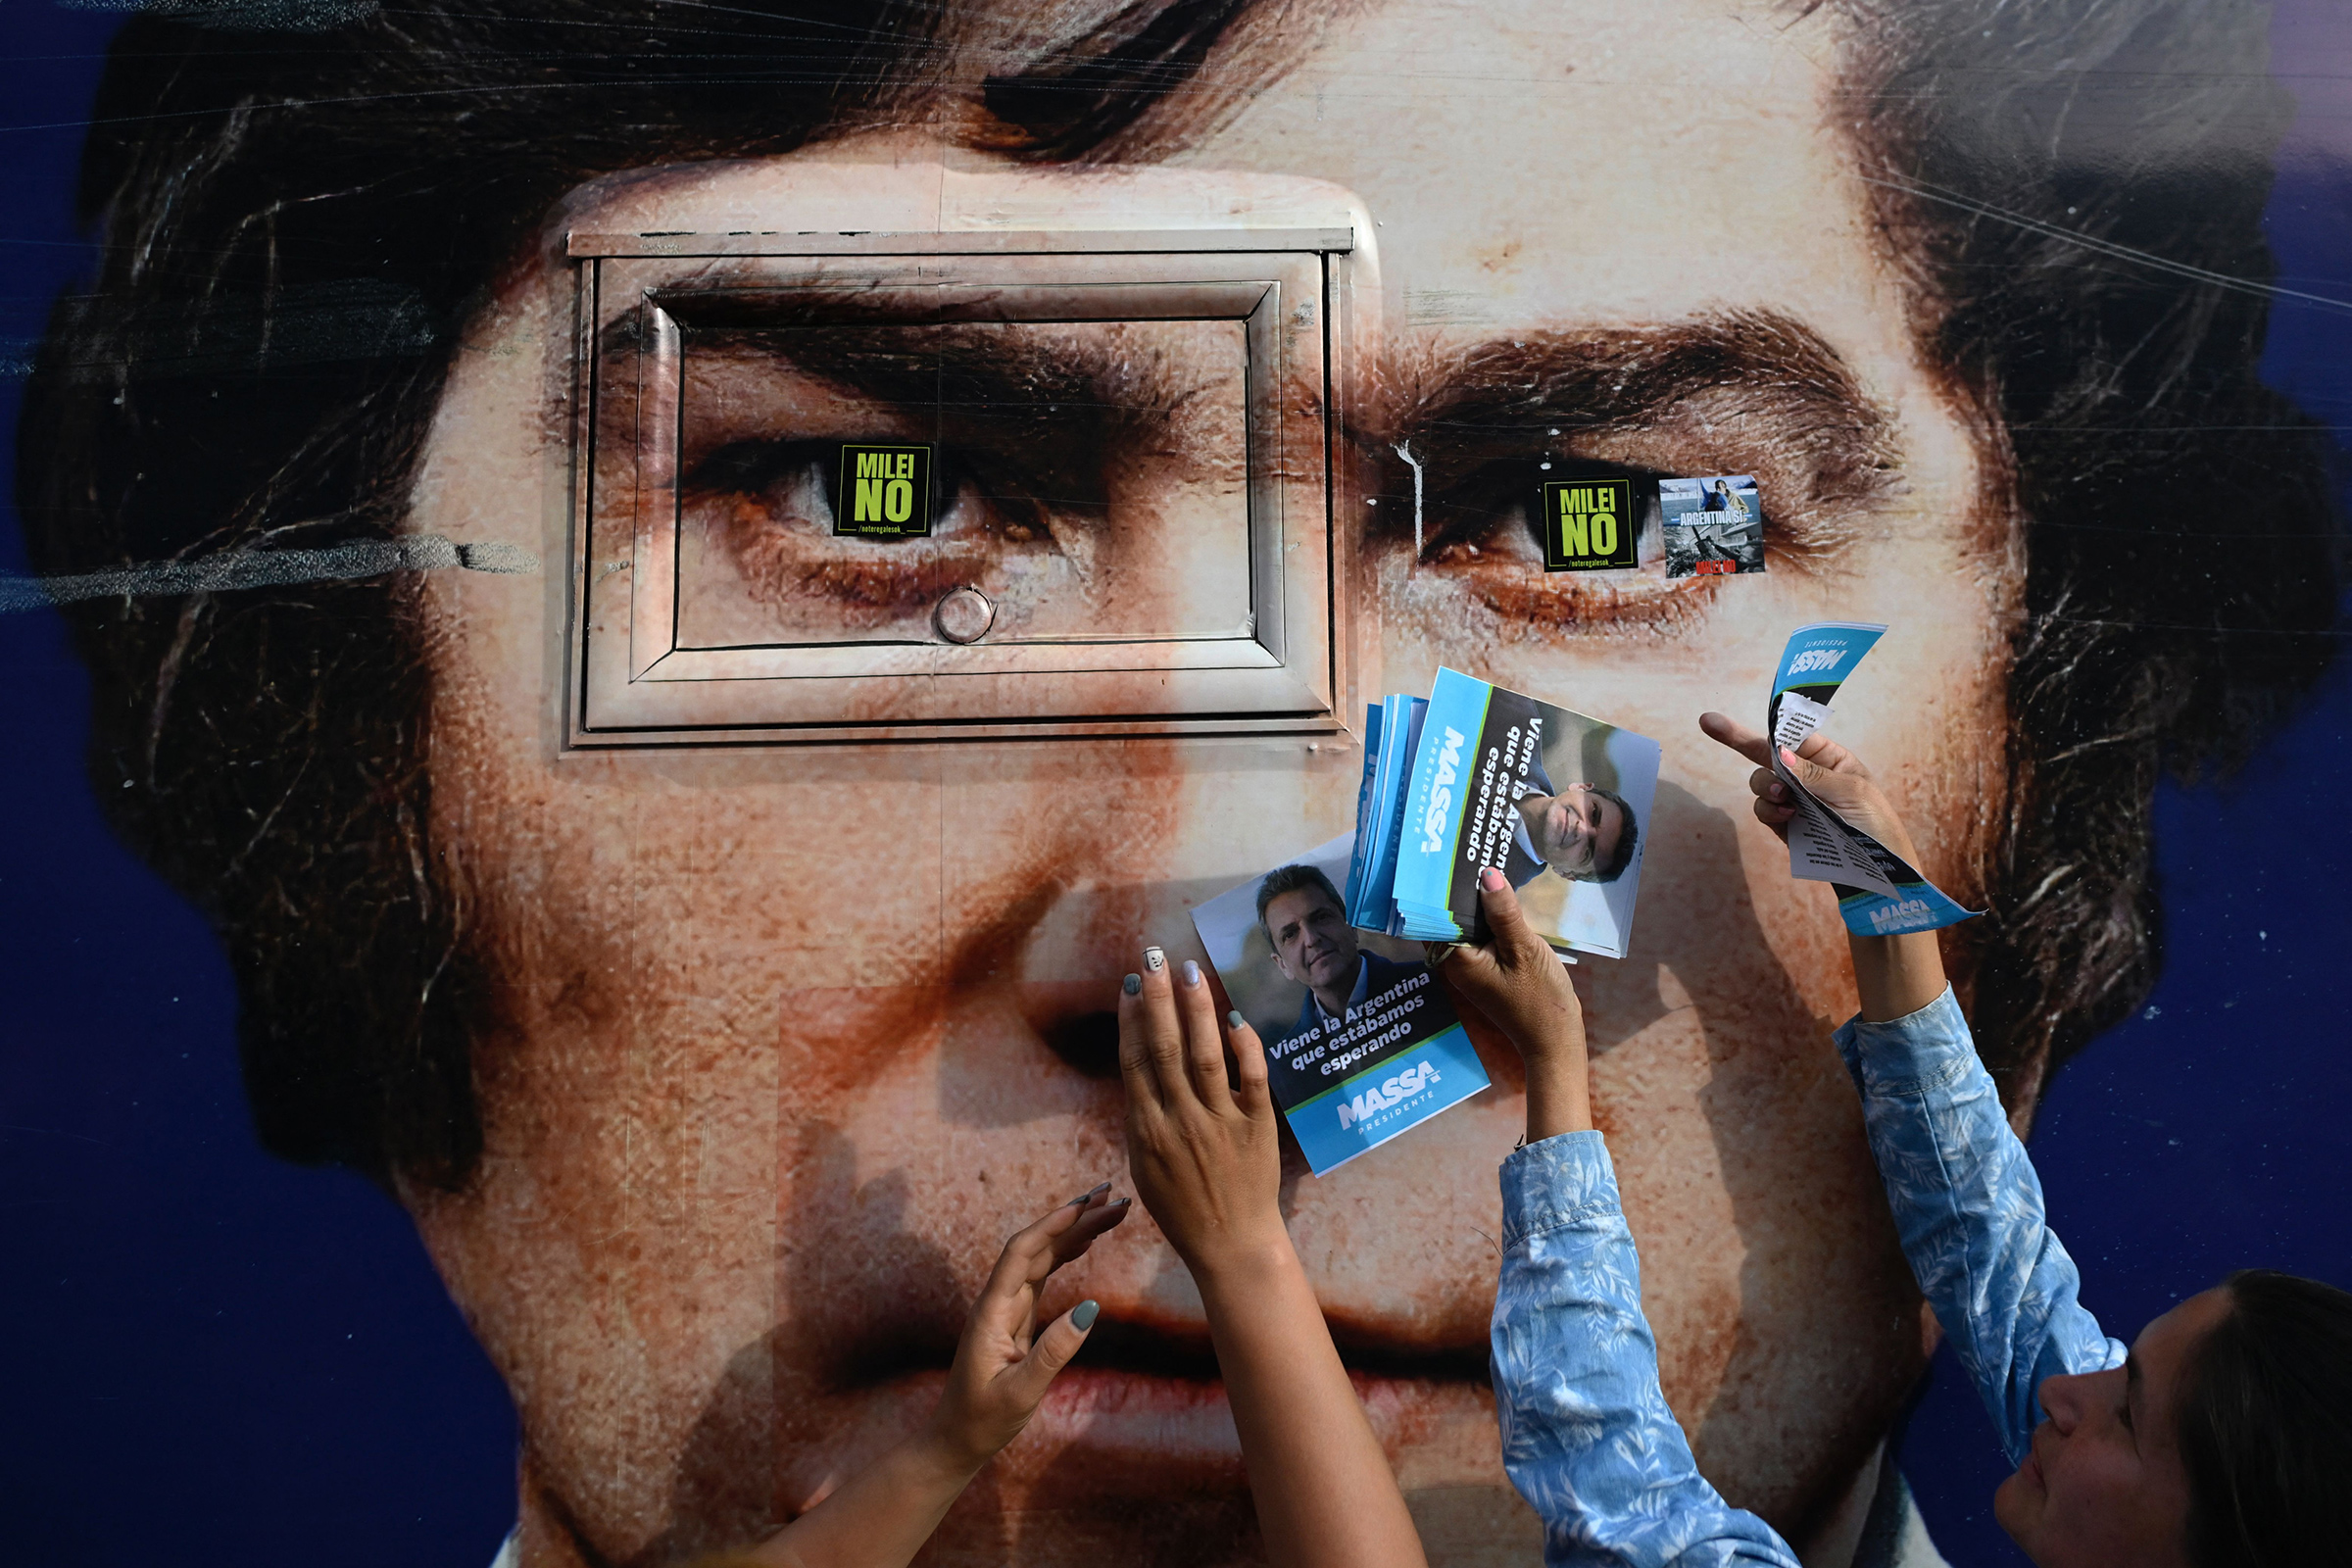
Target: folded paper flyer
1878, 894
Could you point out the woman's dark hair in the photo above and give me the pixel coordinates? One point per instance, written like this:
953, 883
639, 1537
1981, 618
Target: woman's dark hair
2265, 1426
295, 225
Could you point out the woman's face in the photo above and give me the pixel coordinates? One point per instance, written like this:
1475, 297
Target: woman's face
790, 1040
2105, 1481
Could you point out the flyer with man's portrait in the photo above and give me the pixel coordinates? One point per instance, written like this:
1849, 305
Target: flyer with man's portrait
1361, 1040
1553, 799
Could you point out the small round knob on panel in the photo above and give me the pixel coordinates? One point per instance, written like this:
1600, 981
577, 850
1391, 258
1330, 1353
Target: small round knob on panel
965, 614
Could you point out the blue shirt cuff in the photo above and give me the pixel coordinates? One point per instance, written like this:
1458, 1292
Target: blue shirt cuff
1919, 1051
1556, 1182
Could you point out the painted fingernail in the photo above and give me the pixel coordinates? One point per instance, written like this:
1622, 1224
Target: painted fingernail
1192, 974
1134, 984
1154, 960
1118, 1202
1082, 1317
1491, 879
1088, 1195
1234, 1018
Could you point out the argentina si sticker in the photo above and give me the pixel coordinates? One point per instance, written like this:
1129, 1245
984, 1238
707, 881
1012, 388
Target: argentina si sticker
885, 491
1588, 524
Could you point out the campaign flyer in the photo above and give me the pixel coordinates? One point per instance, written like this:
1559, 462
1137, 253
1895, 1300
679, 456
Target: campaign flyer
1552, 798
1878, 894
1711, 526
1392, 731
1362, 1043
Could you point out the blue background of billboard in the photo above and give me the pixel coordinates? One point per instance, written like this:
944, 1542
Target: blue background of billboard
218, 1358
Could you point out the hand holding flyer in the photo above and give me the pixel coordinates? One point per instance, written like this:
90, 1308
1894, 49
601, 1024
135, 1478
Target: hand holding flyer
1480, 778
1360, 1041
1879, 893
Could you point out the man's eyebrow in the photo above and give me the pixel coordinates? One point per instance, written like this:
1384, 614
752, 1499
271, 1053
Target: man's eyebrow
1756, 368
887, 346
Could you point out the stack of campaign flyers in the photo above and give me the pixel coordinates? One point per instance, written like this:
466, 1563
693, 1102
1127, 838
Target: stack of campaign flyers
1478, 777
1361, 1041
1878, 894
1322, 954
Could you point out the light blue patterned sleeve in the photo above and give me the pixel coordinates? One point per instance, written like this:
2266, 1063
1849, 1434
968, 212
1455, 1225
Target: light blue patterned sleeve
1970, 1211
1586, 1435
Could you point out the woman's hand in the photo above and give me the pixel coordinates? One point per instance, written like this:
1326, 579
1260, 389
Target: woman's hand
1207, 1159
881, 1516
1894, 976
1835, 775
1522, 987
1003, 1364
1206, 1155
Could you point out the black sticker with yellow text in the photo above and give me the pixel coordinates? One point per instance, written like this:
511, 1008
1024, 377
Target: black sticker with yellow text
884, 491
1588, 524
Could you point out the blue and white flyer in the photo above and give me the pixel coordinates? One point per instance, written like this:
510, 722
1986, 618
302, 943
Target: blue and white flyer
1361, 1041
1879, 893
1552, 798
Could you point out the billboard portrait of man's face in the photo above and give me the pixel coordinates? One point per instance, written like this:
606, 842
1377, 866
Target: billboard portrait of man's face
714, 1075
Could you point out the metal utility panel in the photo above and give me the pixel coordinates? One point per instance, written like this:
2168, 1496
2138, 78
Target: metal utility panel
920, 486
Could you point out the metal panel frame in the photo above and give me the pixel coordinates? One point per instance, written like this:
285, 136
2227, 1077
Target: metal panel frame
637, 686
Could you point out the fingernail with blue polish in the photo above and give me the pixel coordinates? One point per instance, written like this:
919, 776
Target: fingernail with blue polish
1192, 973
1234, 1018
1087, 1197
1154, 960
1082, 1317
1134, 984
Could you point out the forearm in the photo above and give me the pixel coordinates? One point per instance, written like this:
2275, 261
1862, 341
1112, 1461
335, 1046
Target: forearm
1895, 976
1324, 1490
1559, 1095
878, 1518
1968, 1207
1586, 1434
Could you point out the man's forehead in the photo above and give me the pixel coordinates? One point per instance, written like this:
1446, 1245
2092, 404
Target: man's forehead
1297, 904
1658, 160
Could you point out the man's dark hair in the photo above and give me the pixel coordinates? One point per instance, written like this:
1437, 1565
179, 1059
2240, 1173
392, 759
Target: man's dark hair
1628, 837
294, 229
1290, 879
2266, 1425
2076, 190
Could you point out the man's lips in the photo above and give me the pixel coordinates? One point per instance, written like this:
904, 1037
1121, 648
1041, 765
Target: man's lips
1146, 1415
1138, 1342
1139, 1395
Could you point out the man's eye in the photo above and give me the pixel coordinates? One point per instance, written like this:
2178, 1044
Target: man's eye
760, 561
1480, 526
1479, 510
801, 480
